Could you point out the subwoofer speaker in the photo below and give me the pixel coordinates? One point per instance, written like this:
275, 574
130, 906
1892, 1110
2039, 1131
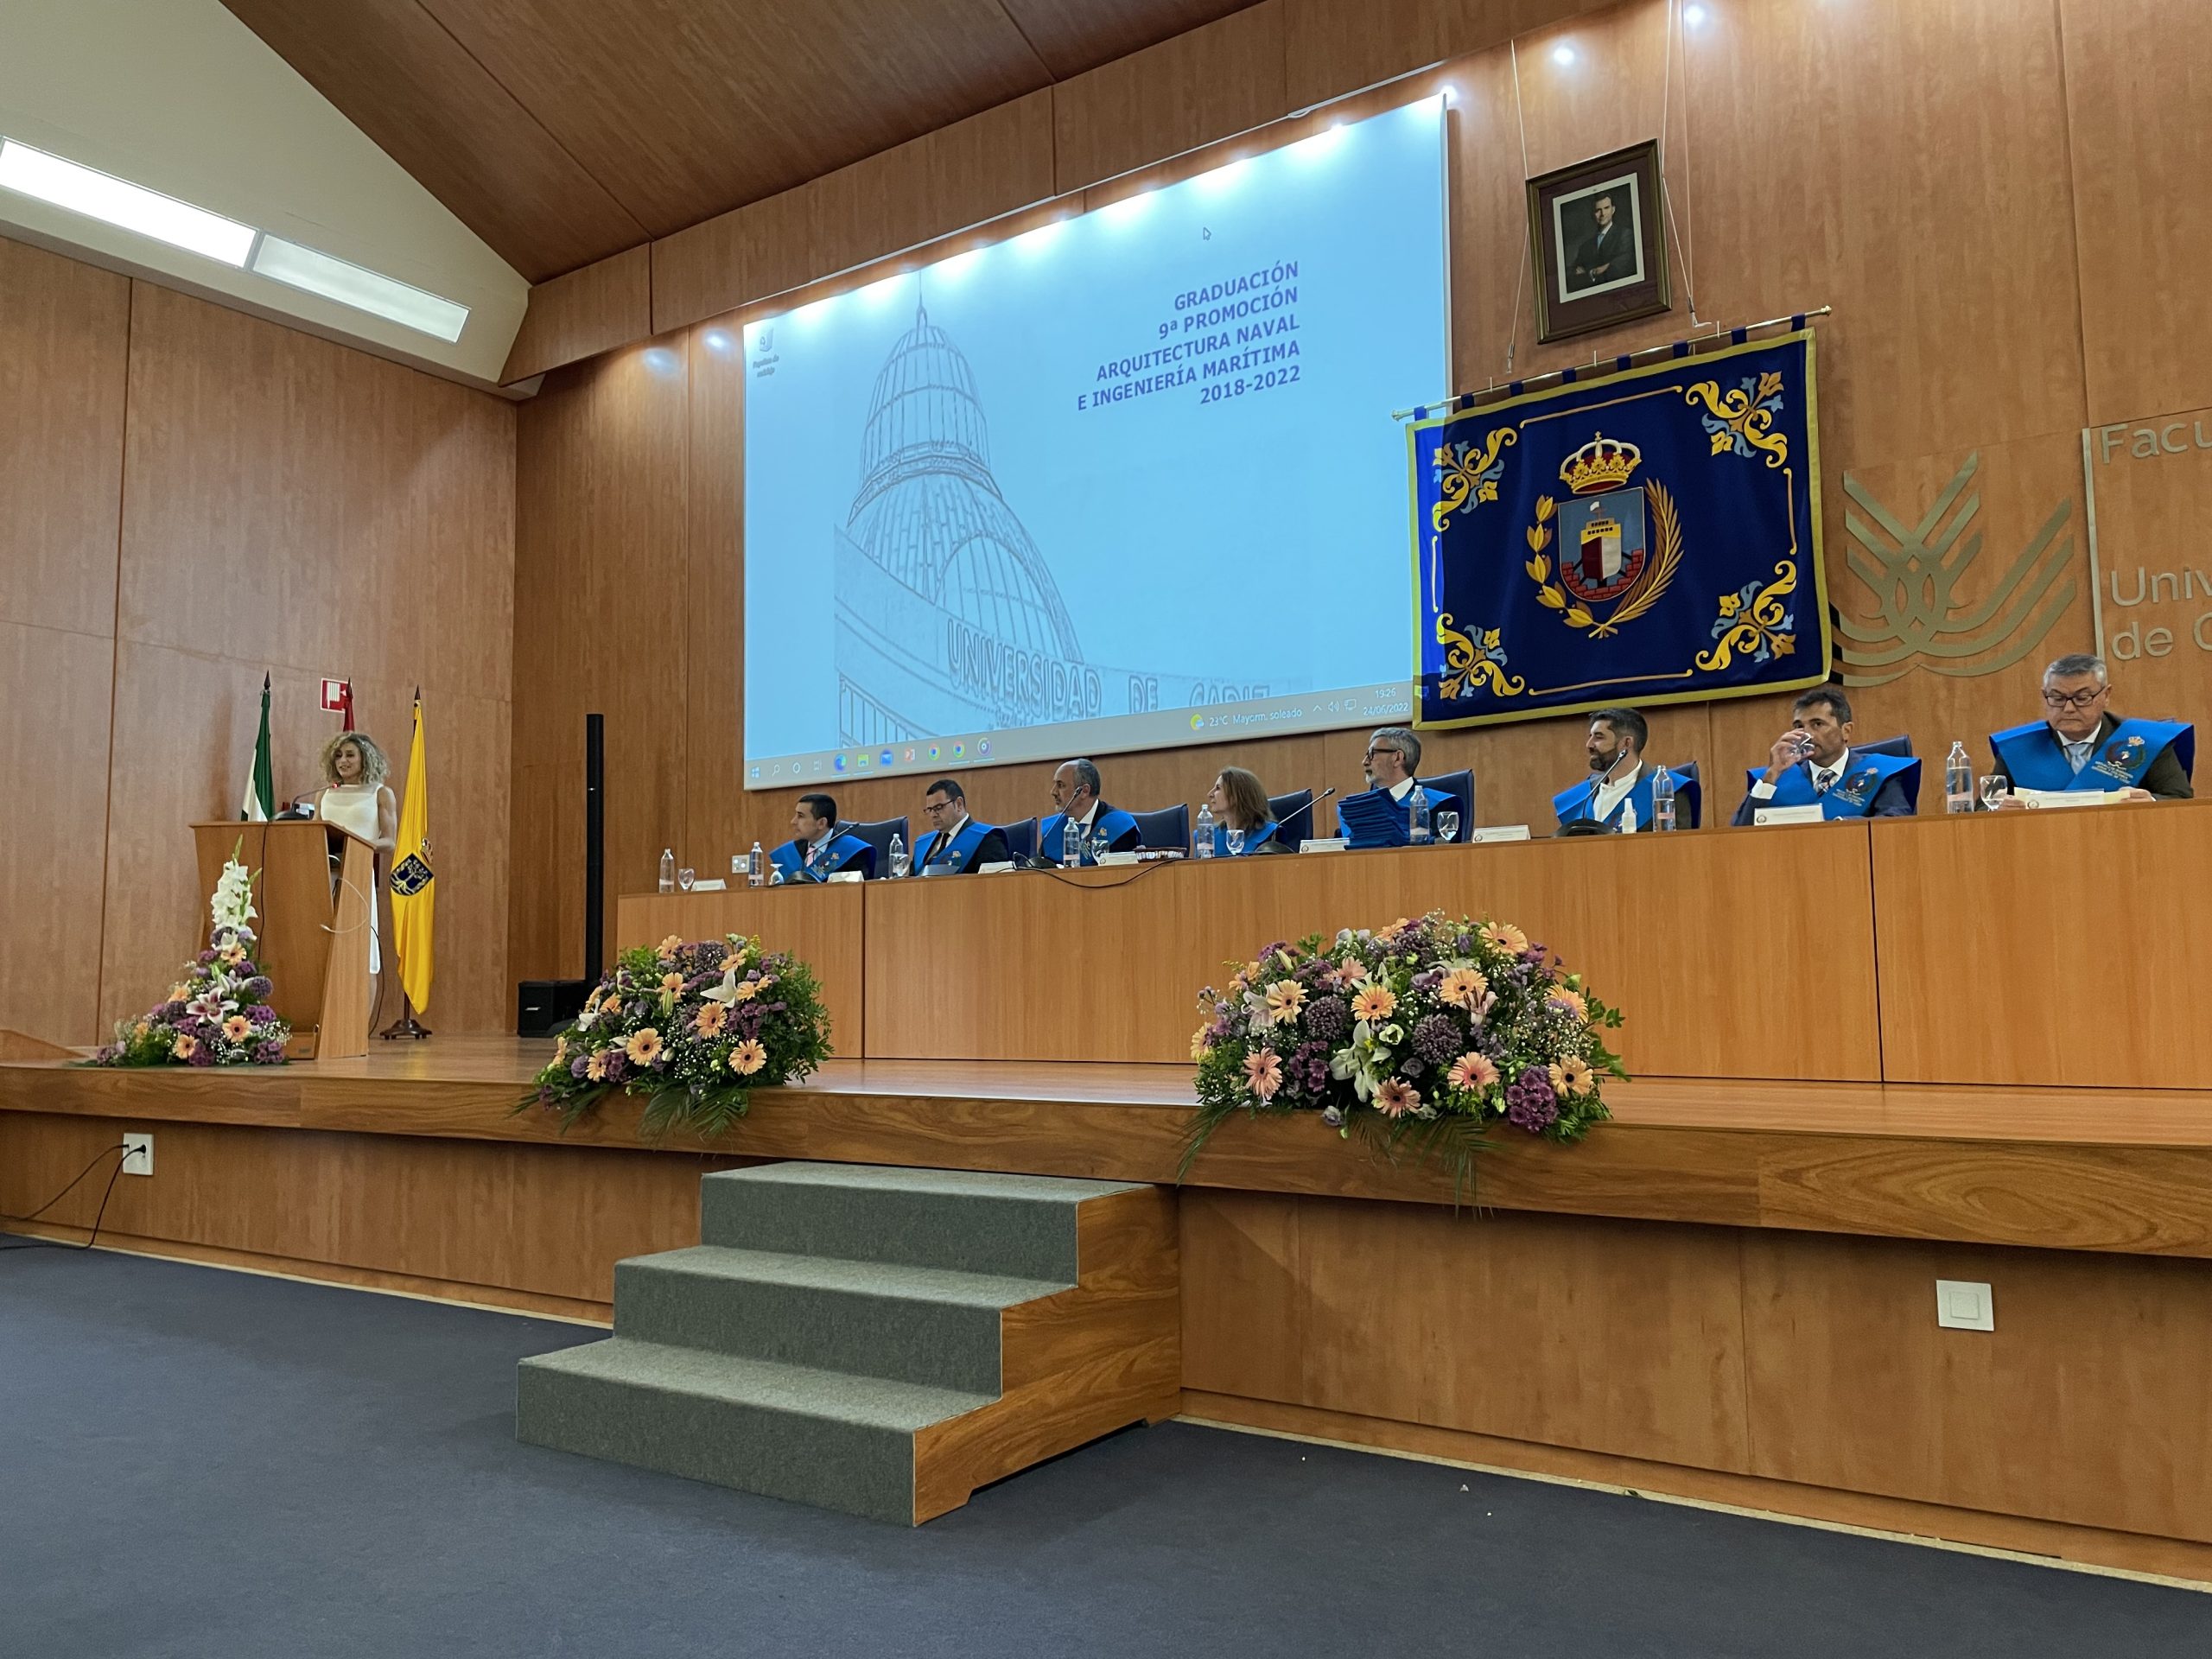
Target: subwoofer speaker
544, 1005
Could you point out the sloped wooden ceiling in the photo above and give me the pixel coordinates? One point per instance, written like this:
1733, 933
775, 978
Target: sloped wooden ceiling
563, 130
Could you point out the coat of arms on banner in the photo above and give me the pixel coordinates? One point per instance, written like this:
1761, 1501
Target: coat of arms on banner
1651, 537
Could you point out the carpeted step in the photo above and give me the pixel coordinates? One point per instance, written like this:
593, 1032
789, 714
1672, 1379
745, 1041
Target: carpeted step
930, 1326
821, 1437
1022, 1225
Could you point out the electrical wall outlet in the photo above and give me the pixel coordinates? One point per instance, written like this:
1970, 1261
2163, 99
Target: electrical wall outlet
137, 1154
1961, 1305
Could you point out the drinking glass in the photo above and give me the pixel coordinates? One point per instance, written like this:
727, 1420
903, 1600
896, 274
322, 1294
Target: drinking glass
1994, 789
1235, 840
1447, 825
685, 877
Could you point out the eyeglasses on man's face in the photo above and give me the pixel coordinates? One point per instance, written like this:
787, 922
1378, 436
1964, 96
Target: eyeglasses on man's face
1374, 749
2072, 699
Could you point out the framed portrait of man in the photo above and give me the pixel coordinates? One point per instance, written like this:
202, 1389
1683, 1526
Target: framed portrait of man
1597, 233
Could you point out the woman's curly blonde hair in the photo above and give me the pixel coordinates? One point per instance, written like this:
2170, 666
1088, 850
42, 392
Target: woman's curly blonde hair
374, 767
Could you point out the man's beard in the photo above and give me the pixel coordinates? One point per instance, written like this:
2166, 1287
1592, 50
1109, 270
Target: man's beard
1604, 762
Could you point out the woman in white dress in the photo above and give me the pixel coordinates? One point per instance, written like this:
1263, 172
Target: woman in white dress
356, 799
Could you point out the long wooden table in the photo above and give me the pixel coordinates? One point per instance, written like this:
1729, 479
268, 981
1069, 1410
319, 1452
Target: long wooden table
2060, 949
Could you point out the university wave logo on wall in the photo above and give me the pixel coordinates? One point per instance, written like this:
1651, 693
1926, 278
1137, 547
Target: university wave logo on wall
413, 872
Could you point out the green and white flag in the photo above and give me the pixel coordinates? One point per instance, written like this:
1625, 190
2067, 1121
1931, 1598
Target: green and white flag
260, 802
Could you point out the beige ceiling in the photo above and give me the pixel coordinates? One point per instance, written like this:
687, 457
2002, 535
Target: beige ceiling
563, 130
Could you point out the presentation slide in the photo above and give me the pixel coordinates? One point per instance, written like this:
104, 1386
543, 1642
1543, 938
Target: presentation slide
1126, 481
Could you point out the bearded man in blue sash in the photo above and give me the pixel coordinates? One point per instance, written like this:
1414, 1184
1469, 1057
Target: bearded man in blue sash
1075, 791
955, 844
1617, 794
816, 852
2080, 744
1813, 764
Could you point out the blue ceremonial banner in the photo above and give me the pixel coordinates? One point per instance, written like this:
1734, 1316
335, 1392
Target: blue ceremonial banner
1654, 537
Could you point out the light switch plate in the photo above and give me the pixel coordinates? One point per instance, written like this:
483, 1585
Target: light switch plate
1961, 1305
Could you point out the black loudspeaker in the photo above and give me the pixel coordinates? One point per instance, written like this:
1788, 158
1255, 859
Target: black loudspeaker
544, 1005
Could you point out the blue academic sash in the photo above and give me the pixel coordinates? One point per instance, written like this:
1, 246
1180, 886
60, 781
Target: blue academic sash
1254, 839
839, 854
1851, 795
2035, 759
962, 849
1051, 837
1354, 808
1577, 802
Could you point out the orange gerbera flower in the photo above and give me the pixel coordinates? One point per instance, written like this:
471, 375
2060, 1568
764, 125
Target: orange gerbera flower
1376, 1002
1505, 937
1463, 988
186, 1046
642, 1048
1263, 1072
1396, 1097
670, 945
748, 1058
710, 1020
237, 1027
1474, 1072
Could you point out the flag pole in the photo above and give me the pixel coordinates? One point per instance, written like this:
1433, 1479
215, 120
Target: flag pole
413, 889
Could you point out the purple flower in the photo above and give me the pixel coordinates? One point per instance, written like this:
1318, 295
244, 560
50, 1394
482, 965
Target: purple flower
269, 1053
257, 988
1436, 1039
578, 1066
203, 1055
1328, 1017
1529, 1103
261, 1014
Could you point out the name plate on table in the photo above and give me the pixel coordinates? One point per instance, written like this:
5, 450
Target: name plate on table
996, 866
1766, 815
846, 875
1495, 832
2057, 797
1326, 844
1107, 861
717, 885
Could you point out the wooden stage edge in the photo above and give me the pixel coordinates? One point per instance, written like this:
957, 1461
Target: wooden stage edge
1686, 1304
2109, 1170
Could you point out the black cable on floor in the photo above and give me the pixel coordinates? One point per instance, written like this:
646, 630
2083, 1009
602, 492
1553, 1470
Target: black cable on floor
100, 1215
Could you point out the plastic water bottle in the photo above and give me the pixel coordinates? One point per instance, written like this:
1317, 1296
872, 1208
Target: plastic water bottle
756, 873
1958, 780
1628, 818
900, 863
1417, 831
1662, 799
1202, 836
668, 870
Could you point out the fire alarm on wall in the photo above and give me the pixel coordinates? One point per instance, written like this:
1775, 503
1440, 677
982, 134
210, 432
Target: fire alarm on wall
333, 695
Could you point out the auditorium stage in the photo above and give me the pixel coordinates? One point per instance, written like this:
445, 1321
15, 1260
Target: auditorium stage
1728, 1292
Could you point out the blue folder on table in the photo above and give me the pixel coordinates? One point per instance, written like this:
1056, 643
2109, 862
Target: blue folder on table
1371, 818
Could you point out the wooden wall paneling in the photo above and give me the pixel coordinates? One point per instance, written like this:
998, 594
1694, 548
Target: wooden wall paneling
1609, 1335
682, 121
53, 750
1334, 47
716, 822
426, 101
1843, 157
2136, 72
2085, 1404
1955, 899
601, 586
723, 262
1205, 84
601, 306
63, 334
2150, 480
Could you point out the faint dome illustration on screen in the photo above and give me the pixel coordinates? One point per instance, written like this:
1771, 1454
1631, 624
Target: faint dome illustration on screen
948, 617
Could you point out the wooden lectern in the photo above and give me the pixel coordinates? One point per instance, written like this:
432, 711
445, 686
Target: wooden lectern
315, 886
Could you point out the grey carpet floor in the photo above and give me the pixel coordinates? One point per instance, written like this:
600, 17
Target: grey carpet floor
202, 1463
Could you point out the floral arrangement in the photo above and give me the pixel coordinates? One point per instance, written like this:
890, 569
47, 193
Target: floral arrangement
1421, 1034
693, 1028
217, 1014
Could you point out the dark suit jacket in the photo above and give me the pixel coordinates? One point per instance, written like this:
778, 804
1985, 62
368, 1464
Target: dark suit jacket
1128, 840
992, 850
1616, 251
1890, 800
2165, 779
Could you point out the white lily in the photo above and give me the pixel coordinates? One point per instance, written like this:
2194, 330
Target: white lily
726, 993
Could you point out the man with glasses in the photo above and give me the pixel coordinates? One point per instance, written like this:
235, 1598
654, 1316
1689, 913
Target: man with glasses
2082, 745
1393, 752
956, 843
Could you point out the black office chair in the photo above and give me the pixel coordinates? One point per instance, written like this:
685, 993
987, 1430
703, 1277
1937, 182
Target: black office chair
878, 836
1170, 827
1689, 794
1460, 786
1293, 816
1020, 838
1901, 747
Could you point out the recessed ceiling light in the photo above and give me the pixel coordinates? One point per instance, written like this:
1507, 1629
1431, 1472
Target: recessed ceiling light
362, 289
1562, 55
117, 201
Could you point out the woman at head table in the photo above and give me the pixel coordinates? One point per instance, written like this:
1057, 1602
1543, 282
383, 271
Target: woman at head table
356, 799
1243, 821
